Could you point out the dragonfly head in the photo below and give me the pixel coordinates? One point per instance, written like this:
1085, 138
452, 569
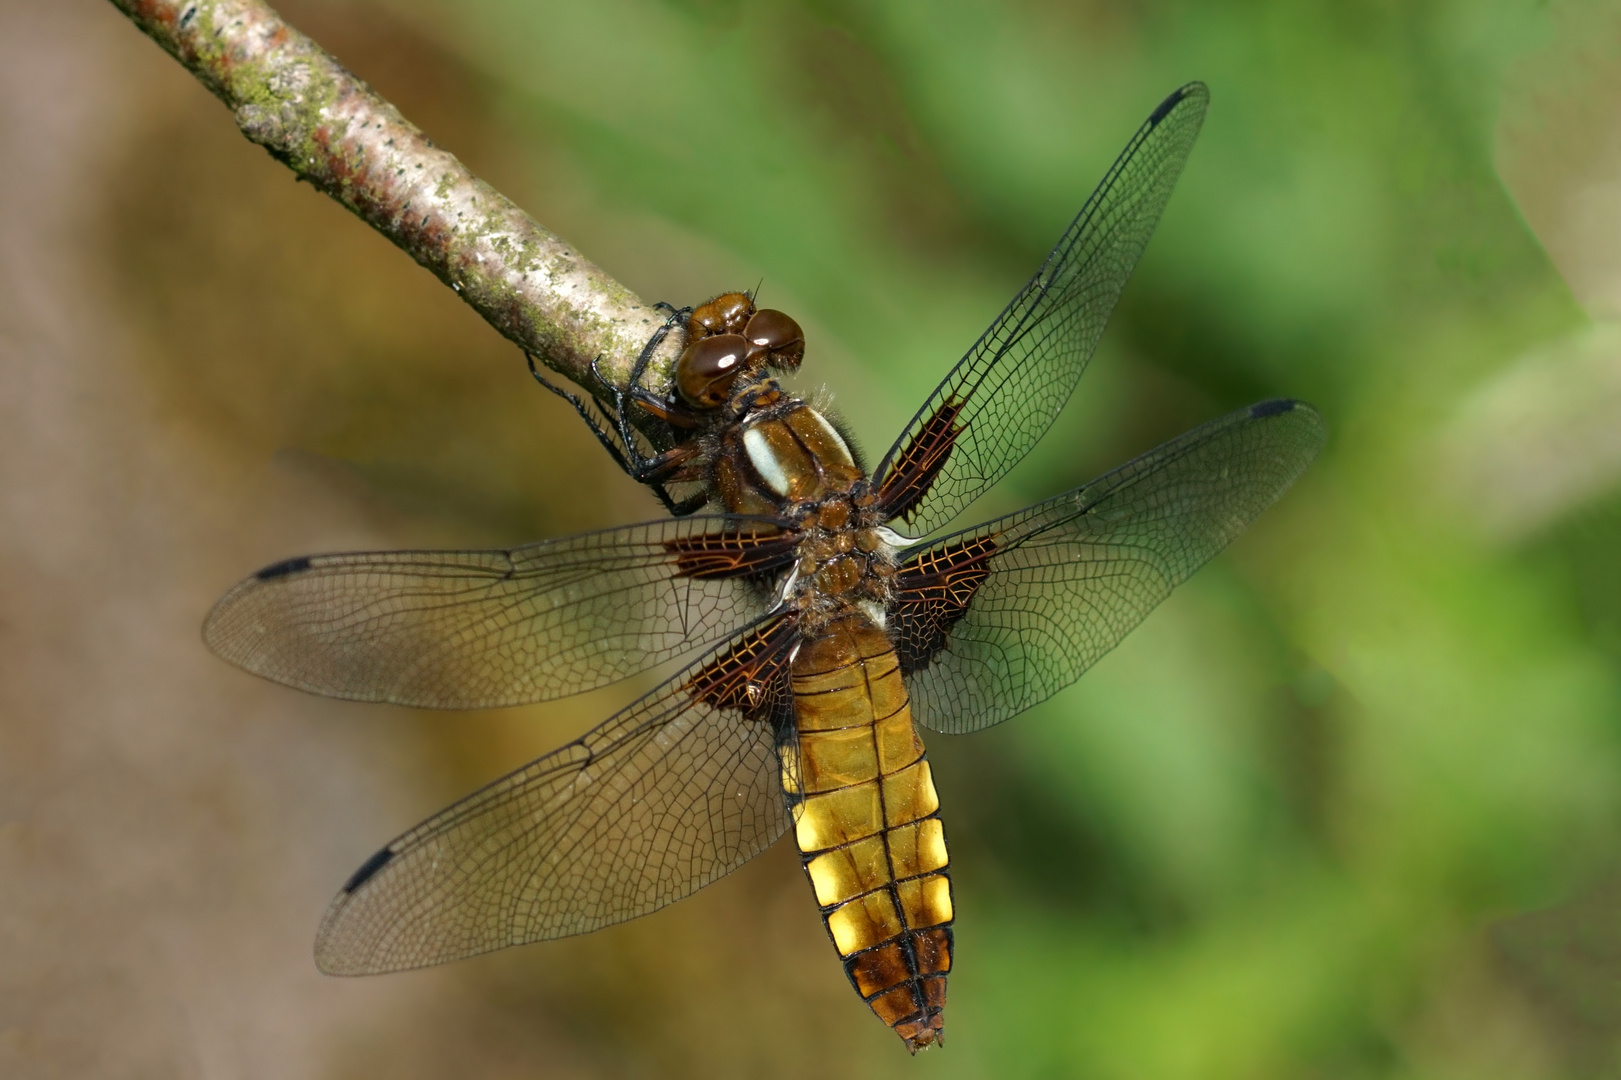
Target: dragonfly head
728, 337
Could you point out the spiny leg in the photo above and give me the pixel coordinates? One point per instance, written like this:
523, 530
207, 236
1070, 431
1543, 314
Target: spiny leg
667, 464
644, 470
654, 471
579, 406
634, 388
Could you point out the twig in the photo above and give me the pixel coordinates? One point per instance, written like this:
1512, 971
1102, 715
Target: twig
331, 129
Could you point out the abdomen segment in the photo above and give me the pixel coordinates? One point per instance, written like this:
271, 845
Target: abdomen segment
866, 819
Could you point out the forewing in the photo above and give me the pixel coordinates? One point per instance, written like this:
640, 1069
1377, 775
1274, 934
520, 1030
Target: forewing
991, 621
665, 797
1001, 397
477, 629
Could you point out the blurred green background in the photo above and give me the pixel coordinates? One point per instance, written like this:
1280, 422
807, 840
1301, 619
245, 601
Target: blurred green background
1346, 806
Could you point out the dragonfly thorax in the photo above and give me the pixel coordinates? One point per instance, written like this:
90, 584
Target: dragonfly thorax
779, 458
843, 564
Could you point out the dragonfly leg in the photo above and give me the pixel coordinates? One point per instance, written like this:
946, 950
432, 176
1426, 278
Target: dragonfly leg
679, 464
585, 414
689, 505
634, 389
671, 457
633, 464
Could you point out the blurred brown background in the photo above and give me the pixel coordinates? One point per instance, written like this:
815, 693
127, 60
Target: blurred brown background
1347, 806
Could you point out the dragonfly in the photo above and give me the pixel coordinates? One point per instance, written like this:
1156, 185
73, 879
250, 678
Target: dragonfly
824, 616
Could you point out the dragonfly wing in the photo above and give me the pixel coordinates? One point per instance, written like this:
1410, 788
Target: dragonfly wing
1004, 395
477, 629
663, 798
991, 621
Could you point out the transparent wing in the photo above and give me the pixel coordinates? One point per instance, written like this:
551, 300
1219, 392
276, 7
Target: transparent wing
991, 621
478, 629
1001, 397
674, 792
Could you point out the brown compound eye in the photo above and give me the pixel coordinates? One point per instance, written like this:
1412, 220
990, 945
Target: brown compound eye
704, 374
725, 314
774, 339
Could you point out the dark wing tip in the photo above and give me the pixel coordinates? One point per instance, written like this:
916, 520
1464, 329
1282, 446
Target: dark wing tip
1276, 407
1175, 99
367, 869
283, 568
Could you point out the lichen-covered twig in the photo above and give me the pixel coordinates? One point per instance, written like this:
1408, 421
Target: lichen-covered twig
331, 129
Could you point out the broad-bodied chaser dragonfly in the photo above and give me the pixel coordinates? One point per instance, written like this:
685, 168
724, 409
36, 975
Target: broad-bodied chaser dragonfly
830, 629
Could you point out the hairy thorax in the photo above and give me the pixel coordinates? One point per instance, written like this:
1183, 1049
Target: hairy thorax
774, 455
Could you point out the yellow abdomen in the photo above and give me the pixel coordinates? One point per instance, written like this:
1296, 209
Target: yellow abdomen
866, 818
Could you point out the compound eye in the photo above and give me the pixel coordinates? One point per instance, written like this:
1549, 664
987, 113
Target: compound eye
704, 374
775, 339
735, 309
725, 314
